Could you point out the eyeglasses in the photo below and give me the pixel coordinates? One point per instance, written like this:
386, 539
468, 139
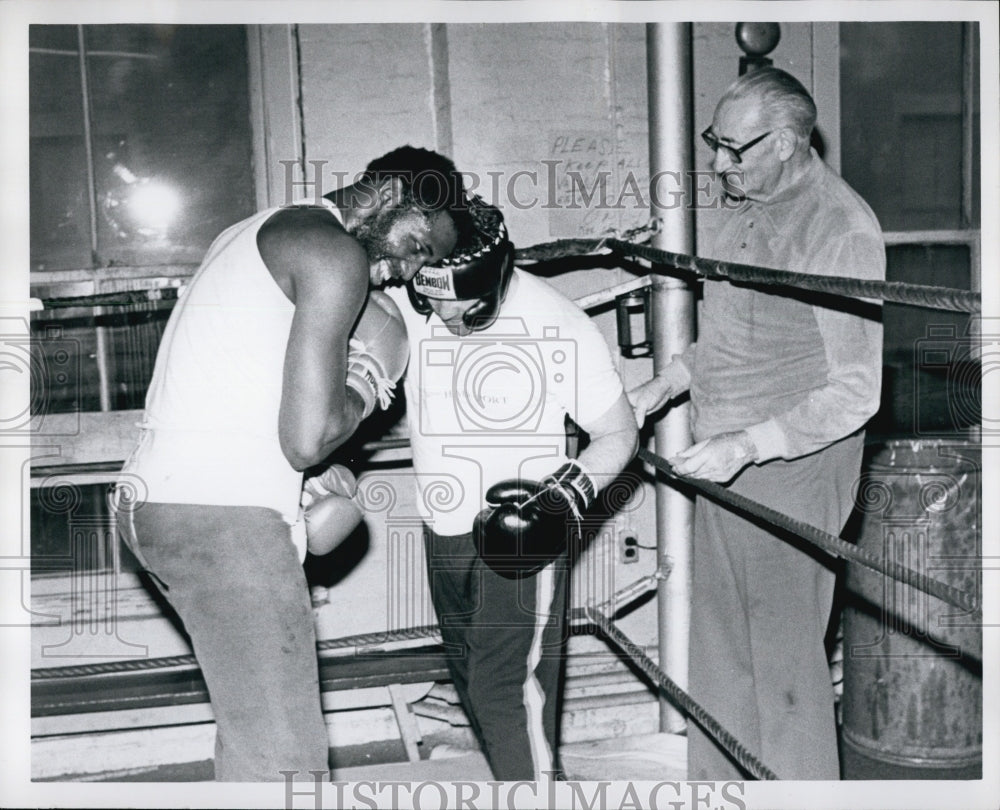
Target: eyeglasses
734, 152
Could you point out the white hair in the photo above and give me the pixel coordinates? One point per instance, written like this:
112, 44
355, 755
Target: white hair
782, 98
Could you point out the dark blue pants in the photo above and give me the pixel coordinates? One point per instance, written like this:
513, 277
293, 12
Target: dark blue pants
505, 643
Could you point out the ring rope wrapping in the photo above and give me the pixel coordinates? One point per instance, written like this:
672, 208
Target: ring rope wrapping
895, 291
827, 542
682, 699
899, 292
361, 641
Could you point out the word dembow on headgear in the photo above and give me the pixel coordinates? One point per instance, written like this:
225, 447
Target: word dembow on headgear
479, 271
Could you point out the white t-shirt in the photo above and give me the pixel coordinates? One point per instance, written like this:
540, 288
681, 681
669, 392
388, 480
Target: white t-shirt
492, 405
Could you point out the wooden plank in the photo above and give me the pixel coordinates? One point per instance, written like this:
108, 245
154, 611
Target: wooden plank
96, 617
469, 766
276, 116
84, 438
188, 714
55, 757
106, 439
826, 87
644, 757
969, 237
96, 754
108, 279
409, 731
44, 587
59, 596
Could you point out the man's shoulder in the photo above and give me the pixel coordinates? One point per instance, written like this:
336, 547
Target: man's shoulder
845, 208
533, 288
549, 314
309, 246
305, 230
297, 221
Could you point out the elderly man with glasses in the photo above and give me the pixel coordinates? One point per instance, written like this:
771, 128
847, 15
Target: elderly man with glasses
781, 386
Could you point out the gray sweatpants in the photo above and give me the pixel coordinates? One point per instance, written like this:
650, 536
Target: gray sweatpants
234, 578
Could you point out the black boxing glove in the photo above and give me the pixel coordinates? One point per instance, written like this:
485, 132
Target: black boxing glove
526, 524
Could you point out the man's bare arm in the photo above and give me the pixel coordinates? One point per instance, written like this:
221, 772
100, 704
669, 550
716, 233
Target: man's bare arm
325, 272
614, 438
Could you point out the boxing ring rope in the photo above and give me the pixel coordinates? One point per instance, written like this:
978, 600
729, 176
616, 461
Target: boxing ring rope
922, 295
681, 699
359, 643
898, 292
376, 642
662, 262
827, 542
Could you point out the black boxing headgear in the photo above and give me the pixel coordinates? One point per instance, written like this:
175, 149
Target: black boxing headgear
479, 269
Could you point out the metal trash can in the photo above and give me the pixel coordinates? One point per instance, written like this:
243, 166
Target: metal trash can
912, 702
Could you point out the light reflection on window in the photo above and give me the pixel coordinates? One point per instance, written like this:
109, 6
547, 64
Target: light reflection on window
154, 160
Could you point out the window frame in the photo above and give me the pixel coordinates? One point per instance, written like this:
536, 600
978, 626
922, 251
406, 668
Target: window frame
93, 453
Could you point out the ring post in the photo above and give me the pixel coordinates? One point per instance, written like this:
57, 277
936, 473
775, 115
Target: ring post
668, 55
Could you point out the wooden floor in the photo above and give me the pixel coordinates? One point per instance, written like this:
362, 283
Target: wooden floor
647, 757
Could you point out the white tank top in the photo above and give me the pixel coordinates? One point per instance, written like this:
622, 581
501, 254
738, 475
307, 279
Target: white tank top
210, 431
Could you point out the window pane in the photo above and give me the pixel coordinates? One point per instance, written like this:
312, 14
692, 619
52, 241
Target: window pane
64, 351
60, 210
133, 337
60, 37
170, 131
930, 385
901, 120
72, 525
171, 128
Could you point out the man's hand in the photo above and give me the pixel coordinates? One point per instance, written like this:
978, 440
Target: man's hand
378, 352
672, 381
330, 510
526, 523
717, 459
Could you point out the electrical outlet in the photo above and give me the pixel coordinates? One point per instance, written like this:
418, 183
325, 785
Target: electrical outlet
628, 550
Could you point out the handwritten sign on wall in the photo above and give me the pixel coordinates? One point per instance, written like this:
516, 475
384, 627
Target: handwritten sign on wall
596, 182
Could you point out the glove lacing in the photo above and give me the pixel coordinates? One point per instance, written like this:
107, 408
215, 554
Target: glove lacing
385, 389
574, 485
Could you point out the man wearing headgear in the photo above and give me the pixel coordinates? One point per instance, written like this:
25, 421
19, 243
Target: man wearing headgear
781, 388
499, 358
270, 360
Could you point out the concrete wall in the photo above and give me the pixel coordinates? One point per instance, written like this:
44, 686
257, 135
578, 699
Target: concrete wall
365, 90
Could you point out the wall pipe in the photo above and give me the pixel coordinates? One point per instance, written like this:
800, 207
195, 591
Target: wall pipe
668, 59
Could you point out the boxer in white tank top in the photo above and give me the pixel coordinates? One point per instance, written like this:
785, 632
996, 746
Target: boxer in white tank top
255, 382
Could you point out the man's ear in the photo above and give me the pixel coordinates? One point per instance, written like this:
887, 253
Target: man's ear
390, 193
788, 143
